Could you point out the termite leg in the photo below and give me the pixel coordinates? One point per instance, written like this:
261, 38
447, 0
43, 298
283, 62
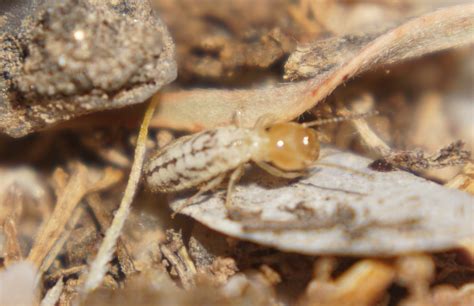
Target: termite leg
234, 178
336, 166
277, 172
264, 121
323, 137
237, 119
207, 187
326, 154
340, 118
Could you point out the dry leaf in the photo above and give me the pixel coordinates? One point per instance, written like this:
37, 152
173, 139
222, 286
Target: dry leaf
198, 109
341, 211
18, 284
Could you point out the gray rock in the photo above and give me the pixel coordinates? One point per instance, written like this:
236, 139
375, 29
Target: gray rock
69, 58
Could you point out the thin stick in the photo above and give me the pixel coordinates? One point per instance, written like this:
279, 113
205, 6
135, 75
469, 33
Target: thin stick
12, 244
369, 138
61, 240
126, 262
68, 200
52, 296
340, 118
98, 268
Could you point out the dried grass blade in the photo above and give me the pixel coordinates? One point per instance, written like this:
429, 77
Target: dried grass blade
98, 268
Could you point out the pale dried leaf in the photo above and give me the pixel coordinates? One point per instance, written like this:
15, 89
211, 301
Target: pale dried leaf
18, 284
206, 108
341, 211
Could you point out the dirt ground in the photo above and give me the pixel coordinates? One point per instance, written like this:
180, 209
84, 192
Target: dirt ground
93, 93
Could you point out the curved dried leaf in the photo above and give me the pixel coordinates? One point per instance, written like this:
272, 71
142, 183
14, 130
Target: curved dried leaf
206, 108
341, 211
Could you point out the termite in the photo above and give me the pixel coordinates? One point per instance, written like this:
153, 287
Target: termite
205, 159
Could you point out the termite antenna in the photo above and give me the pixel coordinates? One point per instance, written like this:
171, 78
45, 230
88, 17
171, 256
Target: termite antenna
340, 118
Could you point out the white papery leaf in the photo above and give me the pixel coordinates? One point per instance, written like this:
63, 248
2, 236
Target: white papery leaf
340, 211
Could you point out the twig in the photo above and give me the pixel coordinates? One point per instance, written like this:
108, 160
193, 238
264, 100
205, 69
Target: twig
54, 234
369, 138
64, 273
98, 268
67, 202
175, 252
12, 245
413, 160
53, 294
104, 220
416, 160
64, 236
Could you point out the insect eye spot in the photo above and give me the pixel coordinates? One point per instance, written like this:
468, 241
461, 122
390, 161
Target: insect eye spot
306, 140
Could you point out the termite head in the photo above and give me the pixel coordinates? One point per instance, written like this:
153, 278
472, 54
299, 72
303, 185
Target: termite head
290, 146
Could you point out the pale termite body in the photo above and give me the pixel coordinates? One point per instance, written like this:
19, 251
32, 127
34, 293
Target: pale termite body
194, 160
205, 159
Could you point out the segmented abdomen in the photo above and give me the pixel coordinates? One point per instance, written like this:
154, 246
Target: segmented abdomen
196, 159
